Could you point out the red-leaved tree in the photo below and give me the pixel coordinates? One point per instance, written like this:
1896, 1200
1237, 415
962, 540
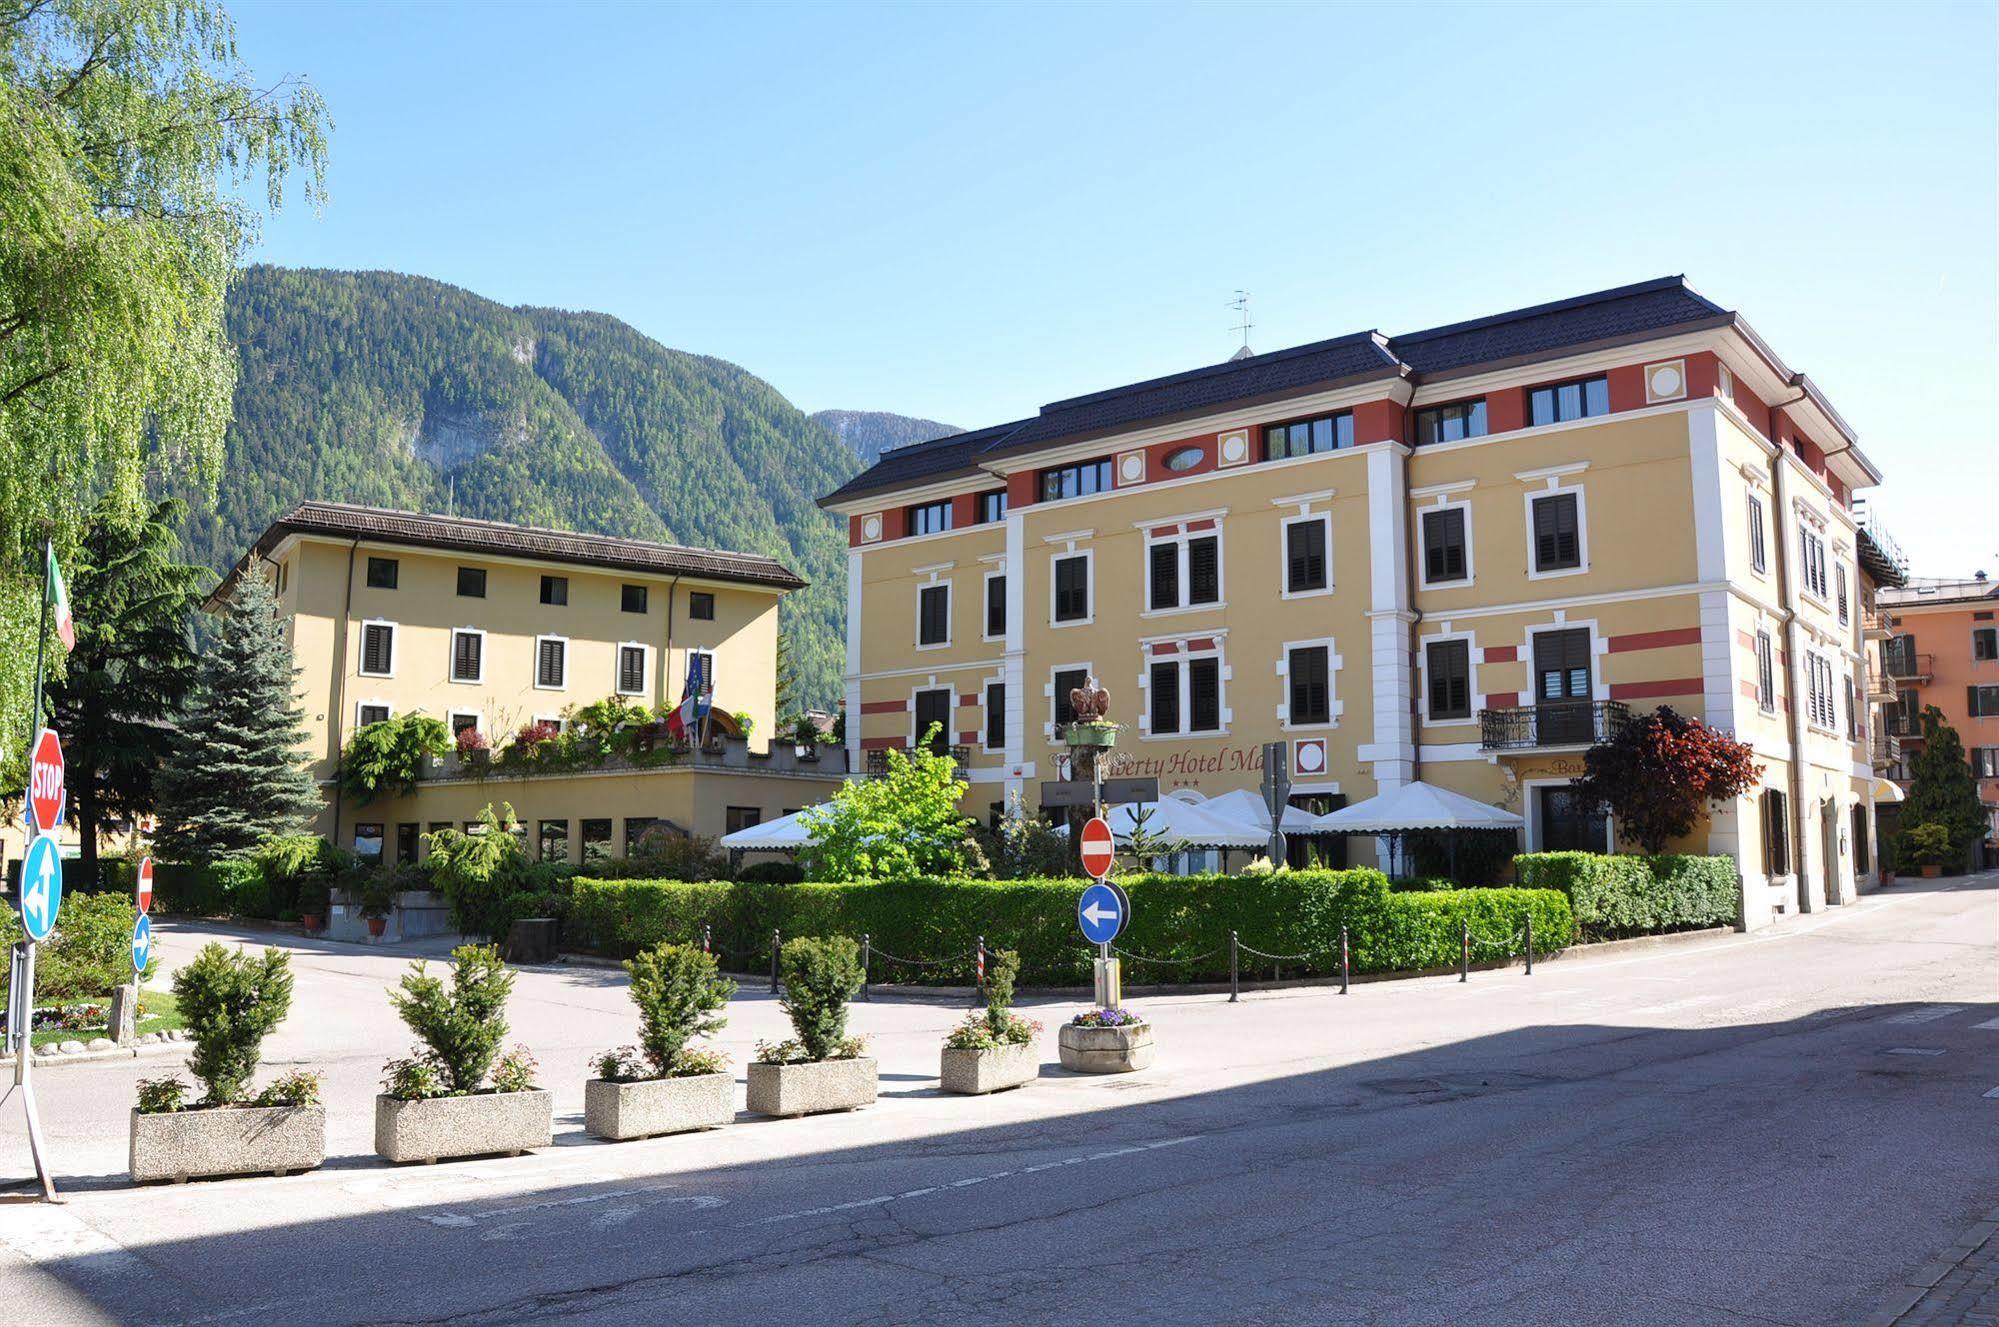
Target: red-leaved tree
1658, 771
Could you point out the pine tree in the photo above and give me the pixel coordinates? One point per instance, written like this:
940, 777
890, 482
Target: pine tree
236, 777
1941, 787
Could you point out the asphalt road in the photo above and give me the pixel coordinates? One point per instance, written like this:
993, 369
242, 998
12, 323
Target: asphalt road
1767, 1129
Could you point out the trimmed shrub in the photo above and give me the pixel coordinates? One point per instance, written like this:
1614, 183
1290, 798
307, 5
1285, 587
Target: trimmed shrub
461, 1027
1624, 895
231, 1001
820, 977
1182, 918
772, 873
88, 953
211, 889
680, 996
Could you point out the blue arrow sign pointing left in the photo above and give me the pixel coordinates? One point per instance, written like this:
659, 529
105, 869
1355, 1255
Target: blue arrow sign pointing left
142, 944
41, 887
1100, 913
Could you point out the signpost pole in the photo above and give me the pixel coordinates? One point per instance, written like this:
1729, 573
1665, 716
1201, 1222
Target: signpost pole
20, 1039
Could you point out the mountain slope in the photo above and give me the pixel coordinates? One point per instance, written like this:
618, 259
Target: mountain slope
405, 392
868, 433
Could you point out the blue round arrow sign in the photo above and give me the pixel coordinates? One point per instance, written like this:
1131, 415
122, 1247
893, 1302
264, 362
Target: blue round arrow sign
142, 943
41, 887
1101, 913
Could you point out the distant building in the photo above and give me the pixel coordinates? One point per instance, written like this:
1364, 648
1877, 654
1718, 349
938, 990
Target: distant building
492, 627
1460, 555
1942, 649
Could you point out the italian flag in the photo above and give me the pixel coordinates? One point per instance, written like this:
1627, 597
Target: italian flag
59, 602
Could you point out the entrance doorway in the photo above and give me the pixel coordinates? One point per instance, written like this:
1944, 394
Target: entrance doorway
1568, 822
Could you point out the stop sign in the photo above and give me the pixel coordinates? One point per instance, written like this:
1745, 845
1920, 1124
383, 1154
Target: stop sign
45, 779
1099, 850
145, 885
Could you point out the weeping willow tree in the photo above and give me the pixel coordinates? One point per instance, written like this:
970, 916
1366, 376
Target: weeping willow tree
137, 155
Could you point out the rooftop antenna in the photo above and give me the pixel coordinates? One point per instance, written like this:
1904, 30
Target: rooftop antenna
1242, 323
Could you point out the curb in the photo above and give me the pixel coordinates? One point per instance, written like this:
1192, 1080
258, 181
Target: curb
53, 1057
1917, 1286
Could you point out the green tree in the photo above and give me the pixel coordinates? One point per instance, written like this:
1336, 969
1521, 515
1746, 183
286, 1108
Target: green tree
235, 777
1659, 771
897, 827
231, 1001
132, 668
461, 1026
1942, 790
787, 686
132, 143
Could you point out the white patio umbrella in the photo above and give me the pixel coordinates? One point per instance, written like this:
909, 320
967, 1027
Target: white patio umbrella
784, 834
1247, 809
1179, 824
1416, 805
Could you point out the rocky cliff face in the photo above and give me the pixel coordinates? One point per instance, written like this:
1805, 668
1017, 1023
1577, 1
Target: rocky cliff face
868, 433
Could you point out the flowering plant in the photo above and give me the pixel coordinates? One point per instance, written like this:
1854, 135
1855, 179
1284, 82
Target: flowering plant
470, 740
793, 1051
977, 1033
537, 731
1106, 1018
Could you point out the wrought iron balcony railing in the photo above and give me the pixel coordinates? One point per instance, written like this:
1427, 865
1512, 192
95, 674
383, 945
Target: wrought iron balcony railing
1556, 723
1908, 665
878, 758
1885, 750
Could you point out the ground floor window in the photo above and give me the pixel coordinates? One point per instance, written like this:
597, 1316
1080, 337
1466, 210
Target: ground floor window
406, 841
553, 839
742, 817
596, 840
368, 841
1776, 834
636, 828
1860, 858
1571, 822
1307, 851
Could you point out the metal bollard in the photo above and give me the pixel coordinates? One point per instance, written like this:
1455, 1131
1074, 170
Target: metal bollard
1346, 965
1530, 946
867, 952
1233, 984
978, 971
1464, 955
774, 946
706, 939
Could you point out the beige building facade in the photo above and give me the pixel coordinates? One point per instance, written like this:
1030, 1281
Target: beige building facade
1461, 555
495, 627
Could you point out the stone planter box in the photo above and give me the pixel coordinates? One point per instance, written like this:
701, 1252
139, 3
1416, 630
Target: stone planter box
478, 1125
658, 1105
227, 1140
805, 1089
1117, 1050
976, 1073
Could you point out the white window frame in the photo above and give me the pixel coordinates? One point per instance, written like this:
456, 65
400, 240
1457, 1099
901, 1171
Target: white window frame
1334, 706
360, 705
985, 599
451, 718
618, 669
395, 644
1555, 488
923, 588
1322, 518
1766, 653
1048, 690
986, 714
451, 658
1180, 659
1842, 594
1183, 560
1759, 534
1089, 557
1470, 578
687, 667
539, 685
1808, 541
1599, 646
1473, 692
950, 716
1818, 692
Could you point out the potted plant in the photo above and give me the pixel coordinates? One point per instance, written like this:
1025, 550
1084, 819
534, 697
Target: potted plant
473, 748
994, 1049
665, 1085
231, 1001
437, 1102
1927, 846
313, 895
378, 900
820, 1067
1106, 1041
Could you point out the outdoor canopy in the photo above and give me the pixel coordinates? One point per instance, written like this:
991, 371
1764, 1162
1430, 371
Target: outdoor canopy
1244, 807
1415, 806
1178, 824
784, 834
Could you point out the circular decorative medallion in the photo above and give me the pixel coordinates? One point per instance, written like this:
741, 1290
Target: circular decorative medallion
1132, 468
1311, 757
871, 527
1665, 381
1234, 448
1184, 458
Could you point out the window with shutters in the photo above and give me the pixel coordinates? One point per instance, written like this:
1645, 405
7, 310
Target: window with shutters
1583, 399
933, 615
555, 590
631, 670
1308, 563
1164, 695
472, 582
1985, 762
1850, 699
1446, 544
1071, 589
1820, 707
1776, 833
1309, 684
995, 605
995, 716
383, 573
1759, 557
551, 662
1766, 674
468, 655
701, 664
1839, 585
460, 721
1184, 695
378, 649
1982, 702
1061, 683
1811, 556
933, 710
701, 606
1557, 531
1183, 570
1447, 679
370, 711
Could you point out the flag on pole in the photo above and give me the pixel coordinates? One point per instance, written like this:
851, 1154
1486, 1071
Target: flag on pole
695, 697
59, 602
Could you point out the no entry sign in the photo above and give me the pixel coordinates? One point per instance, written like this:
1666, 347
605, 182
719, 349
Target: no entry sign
45, 780
1099, 850
145, 885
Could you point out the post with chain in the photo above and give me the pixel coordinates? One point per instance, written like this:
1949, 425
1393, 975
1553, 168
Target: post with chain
978, 972
1346, 966
1233, 984
774, 946
1464, 952
707, 939
1530, 945
867, 952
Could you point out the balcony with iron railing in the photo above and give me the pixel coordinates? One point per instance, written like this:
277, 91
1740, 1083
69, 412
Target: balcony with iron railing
1909, 665
1881, 688
1559, 723
1874, 625
1885, 750
877, 764
648, 752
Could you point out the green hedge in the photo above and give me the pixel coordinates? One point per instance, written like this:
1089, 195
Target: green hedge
1634, 895
89, 952
236, 886
1182, 918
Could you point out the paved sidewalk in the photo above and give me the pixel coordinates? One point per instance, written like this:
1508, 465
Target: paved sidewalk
1959, 1288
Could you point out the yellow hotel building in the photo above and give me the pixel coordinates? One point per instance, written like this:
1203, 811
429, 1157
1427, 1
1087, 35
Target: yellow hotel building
1458, 555
492, 626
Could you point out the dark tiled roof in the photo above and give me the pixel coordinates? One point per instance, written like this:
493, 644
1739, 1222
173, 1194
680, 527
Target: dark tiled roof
344, 520
1626, 313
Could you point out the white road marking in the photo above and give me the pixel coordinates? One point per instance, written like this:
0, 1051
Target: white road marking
460, 1220
1994, 1093
1989, 1025
1915, 1050
1928, 1015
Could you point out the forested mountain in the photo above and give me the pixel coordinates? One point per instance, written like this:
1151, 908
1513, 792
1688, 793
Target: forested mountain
405, 392
869, 432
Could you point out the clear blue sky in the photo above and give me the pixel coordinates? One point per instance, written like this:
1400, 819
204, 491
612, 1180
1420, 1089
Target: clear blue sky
962, 212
